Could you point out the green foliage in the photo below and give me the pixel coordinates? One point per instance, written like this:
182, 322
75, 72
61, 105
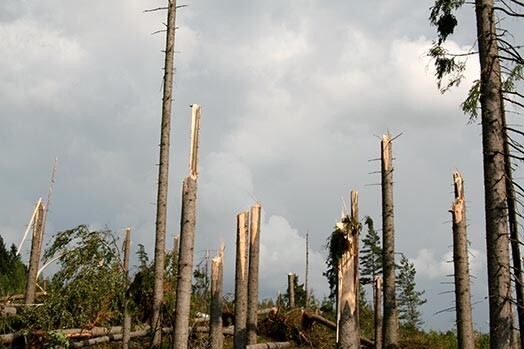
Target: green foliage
370, 255
13, 273
470, 105
409, 300
57, 340
442, 16
336, 245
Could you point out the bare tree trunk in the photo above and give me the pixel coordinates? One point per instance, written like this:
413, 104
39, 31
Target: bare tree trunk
252, 286
176, 247
127, 319
390, 335
187, 240
291, 290
499, 287
461, 265
216, 337
163, 177
377, 302
306, 285
240, 340
34, 259
348, 326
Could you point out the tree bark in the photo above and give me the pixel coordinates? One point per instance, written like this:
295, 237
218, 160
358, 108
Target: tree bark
252, 286
291, 290
216, 337
465, 334
34, 259
390, 321
185, 263
127, 319
348, 326
163, 177
240, 340
499, 287
377, 307
306, 285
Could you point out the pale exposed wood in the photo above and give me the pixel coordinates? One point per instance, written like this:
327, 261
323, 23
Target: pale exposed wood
48, 203
195, 136
34, 258
6, 311
240, 340
390, 320
464, 317
347, 303
252, 287
185, 263
271, 345
216, 337
163, 176
377, 301
28, 226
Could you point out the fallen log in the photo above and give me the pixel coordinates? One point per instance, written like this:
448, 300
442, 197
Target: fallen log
229, 331
311, 318
270, 345
6, 311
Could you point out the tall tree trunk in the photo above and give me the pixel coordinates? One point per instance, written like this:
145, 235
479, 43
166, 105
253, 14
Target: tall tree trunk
306, 285
34, 258
514, 235
348, 295
240, 340
187, 240
216, 337
461, 266
163, 177
494, 177
127, 319
377, 302
252, 286
390, 335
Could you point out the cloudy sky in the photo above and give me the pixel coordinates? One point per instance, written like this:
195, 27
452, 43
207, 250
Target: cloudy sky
294, 95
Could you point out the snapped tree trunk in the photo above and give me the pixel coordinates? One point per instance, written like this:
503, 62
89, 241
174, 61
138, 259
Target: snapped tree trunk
465, 336
291, 290
187, 240
252, 286
306, 285
127, 319
348, 291
495, 190
390, 320
240, 340
163, 177
377, 307
34, 259
216, 337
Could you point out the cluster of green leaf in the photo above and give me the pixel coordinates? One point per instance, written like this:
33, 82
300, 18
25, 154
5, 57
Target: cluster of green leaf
13, 273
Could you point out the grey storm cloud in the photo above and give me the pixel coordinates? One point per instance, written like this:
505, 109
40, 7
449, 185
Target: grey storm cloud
294, 95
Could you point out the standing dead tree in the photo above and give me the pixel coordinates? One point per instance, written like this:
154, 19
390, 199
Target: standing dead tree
348, 290
216, 337
34, 258
240, 340
127, 319
291, 290
187, 239
461, 265
252, 286
163, 176
377, 307
390, 335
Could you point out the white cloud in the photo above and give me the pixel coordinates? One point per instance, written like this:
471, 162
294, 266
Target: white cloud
430, 267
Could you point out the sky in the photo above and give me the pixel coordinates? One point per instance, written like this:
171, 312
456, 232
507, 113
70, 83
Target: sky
295, 97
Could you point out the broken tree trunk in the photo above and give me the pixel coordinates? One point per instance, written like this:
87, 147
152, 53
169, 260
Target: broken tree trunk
271, 345
465, 336
187, 240
390, 321
347, 312
34, 259
216, 337
163, 177
291, 290
252, 285
240, 340
127, 319
377, 307
307, 271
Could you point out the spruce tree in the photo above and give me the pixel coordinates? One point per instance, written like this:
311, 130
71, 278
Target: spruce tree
370, 255
409, 299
